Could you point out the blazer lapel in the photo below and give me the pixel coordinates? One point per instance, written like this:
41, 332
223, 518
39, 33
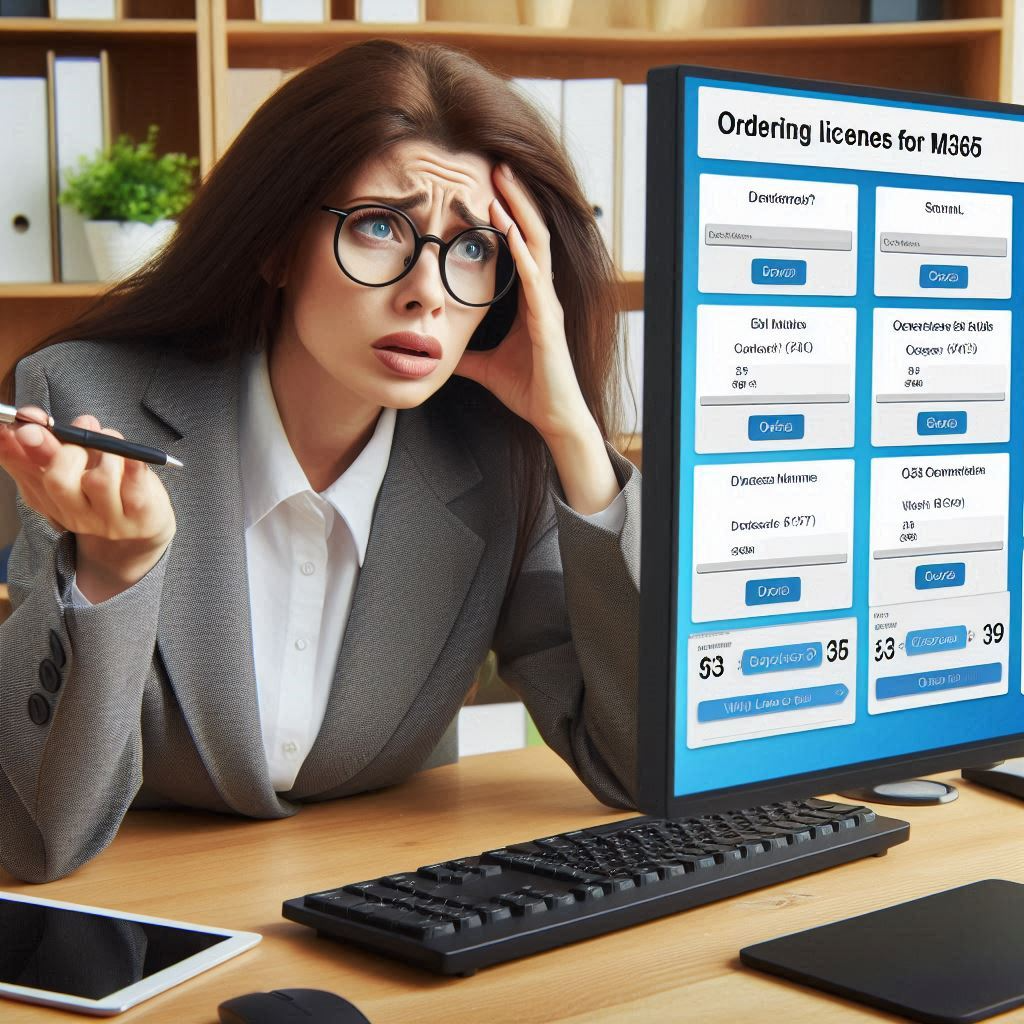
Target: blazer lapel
205, 630
420, 562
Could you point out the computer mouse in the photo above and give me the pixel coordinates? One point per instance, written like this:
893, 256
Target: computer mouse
284, 1005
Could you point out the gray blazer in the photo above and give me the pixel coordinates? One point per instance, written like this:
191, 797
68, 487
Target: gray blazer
149, 699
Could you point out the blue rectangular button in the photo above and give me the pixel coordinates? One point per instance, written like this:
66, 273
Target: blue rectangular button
723, 708
936, 275
941, 574
757, 660
778, 272
775, 428
929, 641
919, 683
930, 423
776, 591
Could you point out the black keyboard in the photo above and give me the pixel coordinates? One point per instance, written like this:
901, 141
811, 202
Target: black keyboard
462, 914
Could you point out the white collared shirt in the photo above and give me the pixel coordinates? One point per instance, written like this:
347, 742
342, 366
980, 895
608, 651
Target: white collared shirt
304, 551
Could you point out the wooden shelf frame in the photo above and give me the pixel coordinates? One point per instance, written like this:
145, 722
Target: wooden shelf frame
50, 28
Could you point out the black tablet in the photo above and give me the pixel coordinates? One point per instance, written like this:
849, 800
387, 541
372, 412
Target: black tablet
954, 956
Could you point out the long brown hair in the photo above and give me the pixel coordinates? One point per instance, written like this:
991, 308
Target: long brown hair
205, 295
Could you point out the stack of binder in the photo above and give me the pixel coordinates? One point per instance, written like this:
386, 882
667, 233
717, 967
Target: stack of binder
81, 10
47, 124
379, 11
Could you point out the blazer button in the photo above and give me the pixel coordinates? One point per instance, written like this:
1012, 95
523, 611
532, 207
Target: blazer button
57, 649
49, 677
38, 709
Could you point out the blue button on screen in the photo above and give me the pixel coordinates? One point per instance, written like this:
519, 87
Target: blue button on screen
919, 683
721, 709
931, 423
935, 275
767, 272
757, 660
928, 641
943, 574
777, 591
775, 428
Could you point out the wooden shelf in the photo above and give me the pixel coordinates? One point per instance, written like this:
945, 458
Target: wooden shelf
86, 289
249, 34
49, 28
958, 56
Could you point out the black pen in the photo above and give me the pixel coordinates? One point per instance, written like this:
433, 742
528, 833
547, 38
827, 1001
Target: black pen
93, 439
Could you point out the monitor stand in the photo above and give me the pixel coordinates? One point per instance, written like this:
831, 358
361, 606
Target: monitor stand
907, 792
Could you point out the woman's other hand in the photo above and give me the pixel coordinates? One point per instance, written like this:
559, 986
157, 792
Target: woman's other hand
531, 371
117, 508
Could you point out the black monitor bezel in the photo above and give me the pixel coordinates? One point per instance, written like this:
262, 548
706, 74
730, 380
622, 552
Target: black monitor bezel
659, 547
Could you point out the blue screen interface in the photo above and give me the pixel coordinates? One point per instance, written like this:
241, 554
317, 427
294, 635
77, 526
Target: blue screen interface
850, 485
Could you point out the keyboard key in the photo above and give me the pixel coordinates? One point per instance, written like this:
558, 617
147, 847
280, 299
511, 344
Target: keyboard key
336, 903
612, 884
373, 893
364, 912
700, 862
442, 873
409, 922
358, 888
588, 892
493, 912
645, 876
554, 900
405, 883
671, 869
486, 870
521, 905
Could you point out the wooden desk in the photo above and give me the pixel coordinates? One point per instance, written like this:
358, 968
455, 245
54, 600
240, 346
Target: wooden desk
235, 873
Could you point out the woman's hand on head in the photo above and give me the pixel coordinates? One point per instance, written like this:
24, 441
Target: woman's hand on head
118, 510
531, 371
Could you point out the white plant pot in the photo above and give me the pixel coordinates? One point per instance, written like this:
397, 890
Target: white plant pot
120, 247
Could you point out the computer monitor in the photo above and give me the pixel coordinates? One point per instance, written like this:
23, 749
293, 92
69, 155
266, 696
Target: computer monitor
832, 442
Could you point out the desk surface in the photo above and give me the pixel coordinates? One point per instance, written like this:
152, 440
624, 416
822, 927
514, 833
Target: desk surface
235, 873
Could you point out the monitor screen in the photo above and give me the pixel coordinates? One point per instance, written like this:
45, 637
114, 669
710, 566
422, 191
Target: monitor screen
832, 447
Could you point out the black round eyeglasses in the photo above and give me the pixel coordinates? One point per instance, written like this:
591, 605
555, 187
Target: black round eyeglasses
376, 245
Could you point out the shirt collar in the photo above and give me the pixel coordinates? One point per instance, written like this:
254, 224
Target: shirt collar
271, 473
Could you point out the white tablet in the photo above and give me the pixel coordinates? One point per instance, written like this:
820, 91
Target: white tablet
99, 961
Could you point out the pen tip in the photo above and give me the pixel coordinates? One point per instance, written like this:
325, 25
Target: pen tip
172, 461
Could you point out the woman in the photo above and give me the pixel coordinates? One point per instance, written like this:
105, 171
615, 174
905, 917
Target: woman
394, 460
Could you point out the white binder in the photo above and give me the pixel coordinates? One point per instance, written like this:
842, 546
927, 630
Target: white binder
101, 10
633, 208
590, 129
80, 128
293, 10
26, 252
391, 11
633, 372
546, 95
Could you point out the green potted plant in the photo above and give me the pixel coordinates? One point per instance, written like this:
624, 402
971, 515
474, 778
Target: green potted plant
128, 196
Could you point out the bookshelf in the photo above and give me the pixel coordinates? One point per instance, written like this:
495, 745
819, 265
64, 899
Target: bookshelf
170, 59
